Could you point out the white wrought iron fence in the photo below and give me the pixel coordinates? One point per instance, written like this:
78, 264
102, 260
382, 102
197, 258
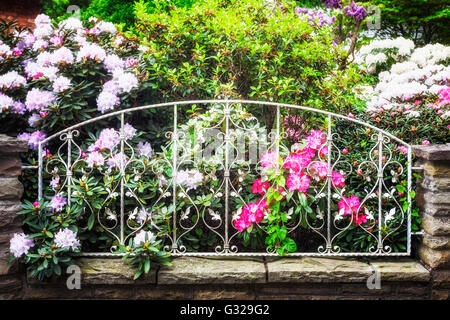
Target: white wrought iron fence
216, 201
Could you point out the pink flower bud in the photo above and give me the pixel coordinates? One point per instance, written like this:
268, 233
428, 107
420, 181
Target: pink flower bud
345, 151
359, 172
425, 142
36, 204
351, 116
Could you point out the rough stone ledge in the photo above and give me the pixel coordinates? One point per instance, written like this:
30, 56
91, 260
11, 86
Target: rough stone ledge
203, 271
110, 271
432, 152
9, 145
314, 269
187, 270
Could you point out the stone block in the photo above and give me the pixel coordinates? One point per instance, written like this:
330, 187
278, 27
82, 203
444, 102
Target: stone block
10, 166
436, 259
436, 242
10, 189
317, 269
432, 152
10, 288
186, 270
166, 292
8, 214
111, 271
221, 293
436, 226
401, 269
10, 145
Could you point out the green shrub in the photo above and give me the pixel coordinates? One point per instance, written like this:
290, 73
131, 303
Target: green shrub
244, 49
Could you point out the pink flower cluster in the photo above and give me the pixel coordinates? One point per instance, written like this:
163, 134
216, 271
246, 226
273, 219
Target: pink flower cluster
299, 161
351, 207
251, 213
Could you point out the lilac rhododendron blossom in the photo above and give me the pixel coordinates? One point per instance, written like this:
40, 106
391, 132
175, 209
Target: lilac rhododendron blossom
6, 102
12, 80
91, 51
62, 55
144, 149
61, 84
107, 101
67, 238
143, 237
126, 81
34, 120
190, 178
38, 100
113, 62
20, 245
33, 139
117, 161
129, 131
57, 203
95, 159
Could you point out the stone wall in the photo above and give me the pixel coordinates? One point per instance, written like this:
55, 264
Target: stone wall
24, 11
239, 278
10, 193
308, 278
433, 198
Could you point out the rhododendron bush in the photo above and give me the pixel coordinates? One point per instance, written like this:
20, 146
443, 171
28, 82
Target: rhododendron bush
410, 97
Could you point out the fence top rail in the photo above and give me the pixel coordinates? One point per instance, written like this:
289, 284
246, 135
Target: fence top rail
231, 101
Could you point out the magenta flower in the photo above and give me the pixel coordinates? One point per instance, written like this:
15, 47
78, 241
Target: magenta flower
260, 187
338, 179
349, 205
298, 181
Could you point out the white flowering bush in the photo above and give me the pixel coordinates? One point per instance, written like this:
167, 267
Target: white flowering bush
52, 77
410, 95
379, 55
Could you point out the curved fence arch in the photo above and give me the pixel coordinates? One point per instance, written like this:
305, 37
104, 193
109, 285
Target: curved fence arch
327, 224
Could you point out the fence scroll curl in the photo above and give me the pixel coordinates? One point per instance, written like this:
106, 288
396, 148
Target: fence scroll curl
193, 188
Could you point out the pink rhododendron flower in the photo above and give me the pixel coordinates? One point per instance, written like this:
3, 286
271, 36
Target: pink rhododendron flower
298, 181
260, 187
349, 205
269, 160
402, 149
251, 213
297, 161
338, 179
319, 169
316, 139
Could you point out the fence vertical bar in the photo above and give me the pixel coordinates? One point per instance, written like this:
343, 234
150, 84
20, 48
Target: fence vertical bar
122, 172
69, 165
174, 176
380, 189
227, 173
40, 162
329, 176
408, 244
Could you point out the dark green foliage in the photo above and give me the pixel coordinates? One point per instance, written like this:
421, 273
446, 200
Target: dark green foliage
424, 21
